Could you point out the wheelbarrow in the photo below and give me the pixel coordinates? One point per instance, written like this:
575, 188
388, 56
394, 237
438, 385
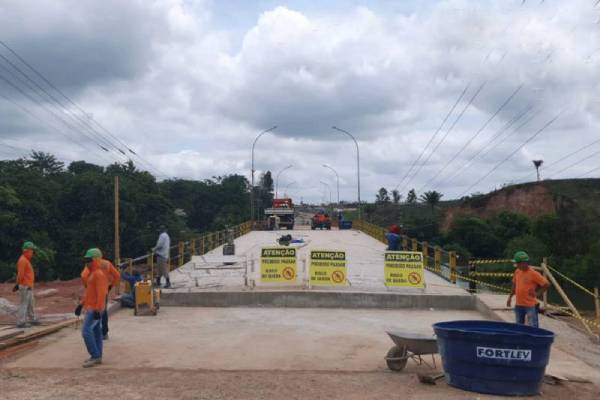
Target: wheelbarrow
410, 345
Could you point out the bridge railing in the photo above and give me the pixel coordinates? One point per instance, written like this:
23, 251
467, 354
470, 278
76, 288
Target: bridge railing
492, 275
183, 251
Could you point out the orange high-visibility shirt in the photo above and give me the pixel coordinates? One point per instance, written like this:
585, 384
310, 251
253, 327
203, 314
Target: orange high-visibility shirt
526, 282
96, 291
25, 274
112, 274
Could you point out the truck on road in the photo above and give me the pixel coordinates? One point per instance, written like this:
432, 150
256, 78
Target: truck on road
320, 220
281, 214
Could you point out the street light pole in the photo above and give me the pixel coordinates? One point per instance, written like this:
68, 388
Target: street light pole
252, 179
277, 179
337, 177
285, 188
328, 188
357, 165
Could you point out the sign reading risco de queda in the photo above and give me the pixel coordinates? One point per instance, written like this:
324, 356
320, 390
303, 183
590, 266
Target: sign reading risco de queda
328, 268
404, 268
278, 264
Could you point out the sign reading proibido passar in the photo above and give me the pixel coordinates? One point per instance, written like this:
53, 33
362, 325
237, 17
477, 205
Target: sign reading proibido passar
404, 269
328, 268
278, 264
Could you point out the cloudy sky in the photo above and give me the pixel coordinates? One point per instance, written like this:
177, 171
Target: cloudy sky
188, 85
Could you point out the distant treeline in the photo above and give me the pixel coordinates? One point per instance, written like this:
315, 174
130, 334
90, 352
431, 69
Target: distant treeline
67, 209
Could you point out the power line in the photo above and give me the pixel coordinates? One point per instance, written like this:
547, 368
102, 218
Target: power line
58, 105
434, 135
575, 164
512, 153
41, 76
498, 133
456, 120
58, 118
459, 152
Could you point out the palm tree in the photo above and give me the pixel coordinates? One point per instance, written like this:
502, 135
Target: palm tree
432, 198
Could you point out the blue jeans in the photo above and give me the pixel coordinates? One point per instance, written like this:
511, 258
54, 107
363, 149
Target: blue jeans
92, 335
530, 312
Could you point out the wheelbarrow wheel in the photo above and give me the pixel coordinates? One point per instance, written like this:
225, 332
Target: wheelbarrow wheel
396, 358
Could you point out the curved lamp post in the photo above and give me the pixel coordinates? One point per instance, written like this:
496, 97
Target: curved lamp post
277, 179
337, 177
252, 179
357, 164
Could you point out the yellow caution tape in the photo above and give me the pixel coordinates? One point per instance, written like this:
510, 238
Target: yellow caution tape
498, 274
491, 261
572, 281
457, 275
585, 320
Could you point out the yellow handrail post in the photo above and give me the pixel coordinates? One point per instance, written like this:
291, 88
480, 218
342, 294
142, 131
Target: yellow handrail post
452, 260
597, 302
193, 248
202, 246
404, 243
545, 295
438, 259
181, 255
425, 251
130, 271
414, 244
151, 262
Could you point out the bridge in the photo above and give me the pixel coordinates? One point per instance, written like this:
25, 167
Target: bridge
221, 318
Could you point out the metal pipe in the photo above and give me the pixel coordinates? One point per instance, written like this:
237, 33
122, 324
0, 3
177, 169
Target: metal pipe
357, 165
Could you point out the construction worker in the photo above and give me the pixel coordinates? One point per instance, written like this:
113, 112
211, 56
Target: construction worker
393, 238
25, 280
128, 299
94, 303
162, 249
527, 285
113, 276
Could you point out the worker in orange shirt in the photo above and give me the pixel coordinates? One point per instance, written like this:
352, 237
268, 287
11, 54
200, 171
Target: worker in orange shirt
527, 285
25, 280
94, 303
113, 276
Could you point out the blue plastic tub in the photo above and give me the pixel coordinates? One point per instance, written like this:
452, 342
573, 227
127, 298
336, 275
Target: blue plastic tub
346, 225
494, 357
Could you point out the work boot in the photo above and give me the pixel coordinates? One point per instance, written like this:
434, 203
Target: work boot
92, 362
158, 282
105, 337
35, 322
168, 285
25, 325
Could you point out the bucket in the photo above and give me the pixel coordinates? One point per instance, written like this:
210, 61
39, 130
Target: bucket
346, 225
494, 357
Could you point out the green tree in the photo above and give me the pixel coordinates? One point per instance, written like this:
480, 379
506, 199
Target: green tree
477, 236
432, 198
411, 197
396, 196
508, 225
534, 247
382, 196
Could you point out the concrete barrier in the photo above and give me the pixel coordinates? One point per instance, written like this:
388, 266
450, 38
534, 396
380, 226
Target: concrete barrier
317, 299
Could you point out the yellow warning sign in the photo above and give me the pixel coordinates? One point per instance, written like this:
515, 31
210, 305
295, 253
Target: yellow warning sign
278, 264
404, 268
328, 268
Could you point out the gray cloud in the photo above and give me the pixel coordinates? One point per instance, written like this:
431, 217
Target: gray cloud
171, 80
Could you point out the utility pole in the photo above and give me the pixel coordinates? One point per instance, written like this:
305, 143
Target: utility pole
538, 164
117, 228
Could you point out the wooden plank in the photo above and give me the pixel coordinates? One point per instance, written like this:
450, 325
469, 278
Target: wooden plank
14, 350
10, 334
45, 331
567, 300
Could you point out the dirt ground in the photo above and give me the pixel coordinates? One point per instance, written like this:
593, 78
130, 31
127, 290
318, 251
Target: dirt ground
62, 302
163, 384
